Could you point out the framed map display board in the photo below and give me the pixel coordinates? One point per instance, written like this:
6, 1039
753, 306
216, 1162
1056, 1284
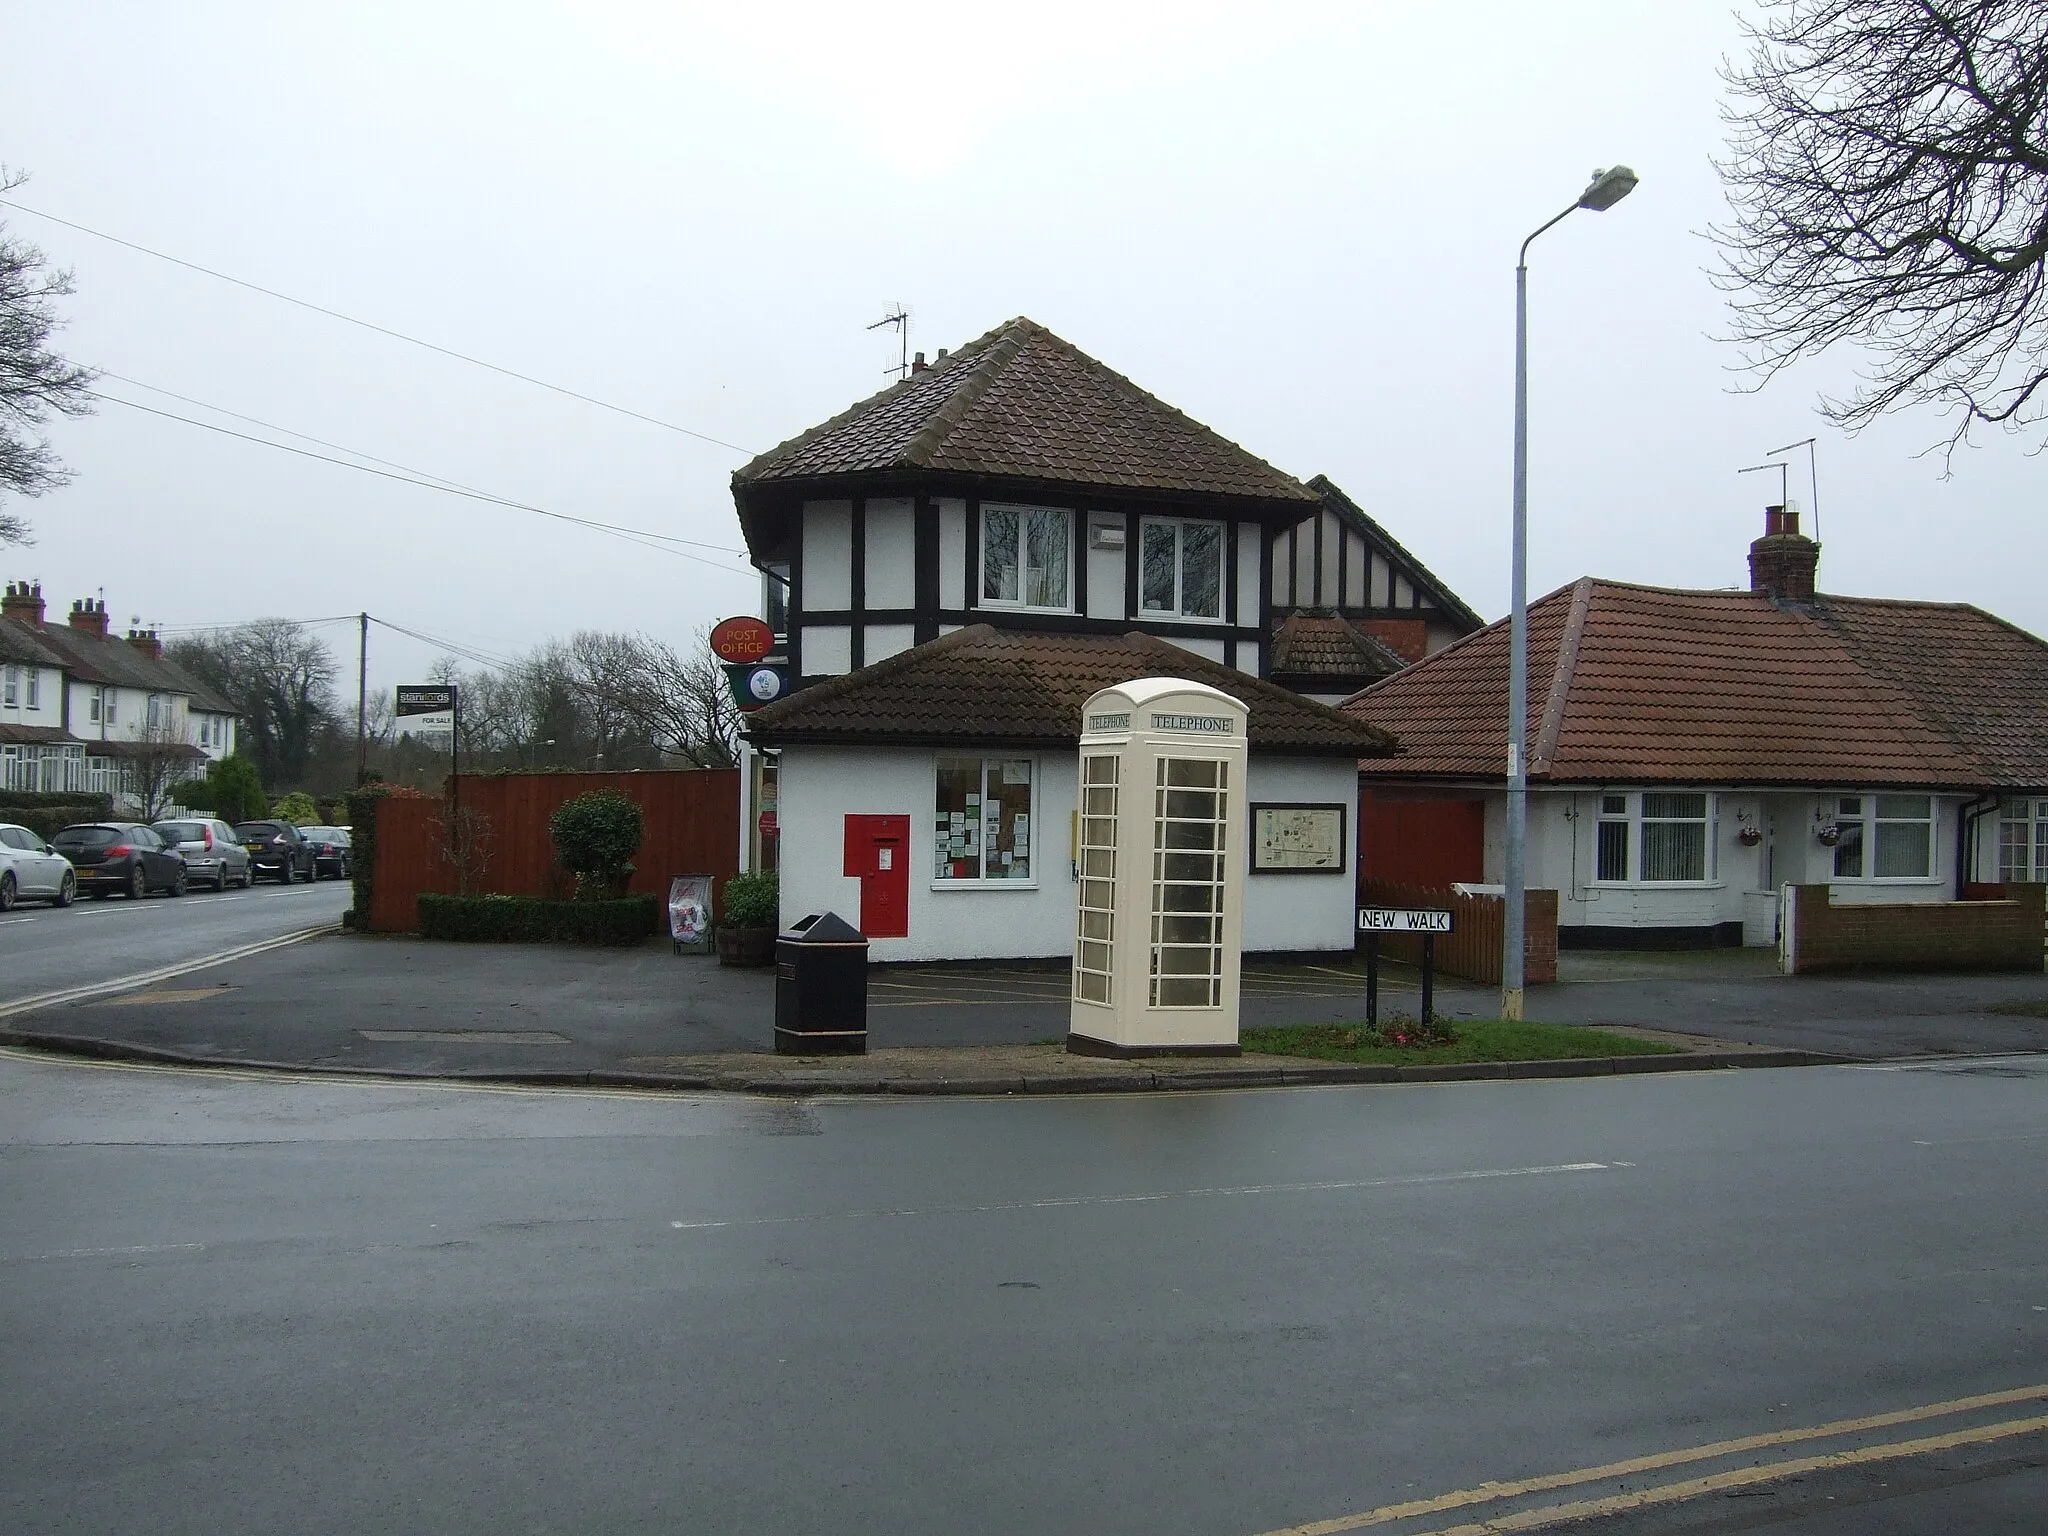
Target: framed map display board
1299, 839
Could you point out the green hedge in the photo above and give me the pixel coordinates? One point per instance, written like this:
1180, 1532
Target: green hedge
46, 821
96, 807
536, 920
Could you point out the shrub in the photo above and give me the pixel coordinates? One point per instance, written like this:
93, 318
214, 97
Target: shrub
536, 920
298, 808
97, 807
46, 821
752, 901
232, 790
596, 835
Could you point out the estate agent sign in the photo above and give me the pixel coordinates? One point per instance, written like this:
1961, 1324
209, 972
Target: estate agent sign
427, 710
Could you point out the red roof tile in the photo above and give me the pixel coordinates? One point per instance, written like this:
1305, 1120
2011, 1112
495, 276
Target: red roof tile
1646, 684
1326, 645
1021, 403
1027, 688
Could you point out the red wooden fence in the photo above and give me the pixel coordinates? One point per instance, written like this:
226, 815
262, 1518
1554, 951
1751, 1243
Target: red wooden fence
1472, 948
692, 828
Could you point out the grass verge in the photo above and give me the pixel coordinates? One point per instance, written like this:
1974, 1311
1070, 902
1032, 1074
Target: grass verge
1475, 1040
2031, 1010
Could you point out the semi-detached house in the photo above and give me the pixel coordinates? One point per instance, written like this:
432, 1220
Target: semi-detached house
84, 710
1691, 753
957, 563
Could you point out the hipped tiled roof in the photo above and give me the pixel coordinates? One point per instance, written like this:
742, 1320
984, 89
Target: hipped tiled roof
983, 684
1645, 684
34, 735
1021, 403
1327, 645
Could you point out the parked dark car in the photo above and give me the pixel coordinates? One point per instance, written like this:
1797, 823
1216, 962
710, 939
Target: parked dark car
330, 851
124, 856
276, 849
211, 851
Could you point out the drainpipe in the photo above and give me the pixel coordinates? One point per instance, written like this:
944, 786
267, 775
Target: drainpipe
1967, 818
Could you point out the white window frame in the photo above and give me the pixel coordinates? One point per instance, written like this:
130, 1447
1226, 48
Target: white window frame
10, 689
156, 712
1065, 516
983, 881
2029, 817
1632, 818
35, 688
1180, 525
1867, 817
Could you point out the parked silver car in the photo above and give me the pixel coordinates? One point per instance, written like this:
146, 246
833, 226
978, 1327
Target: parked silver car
31, 870
213, 854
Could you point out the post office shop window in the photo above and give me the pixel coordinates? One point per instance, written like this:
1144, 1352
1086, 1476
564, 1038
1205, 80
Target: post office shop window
1180, 569
1654, 837
1884, 837
984, 823
1025, 554
2023, 842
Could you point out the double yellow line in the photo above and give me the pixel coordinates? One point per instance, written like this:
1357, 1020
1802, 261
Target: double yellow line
1690, 1488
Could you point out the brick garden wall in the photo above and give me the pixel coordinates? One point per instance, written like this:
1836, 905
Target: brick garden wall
2001, 935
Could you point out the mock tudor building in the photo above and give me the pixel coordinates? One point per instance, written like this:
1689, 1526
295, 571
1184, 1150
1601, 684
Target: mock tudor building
82, 709
1691, 753
957, 563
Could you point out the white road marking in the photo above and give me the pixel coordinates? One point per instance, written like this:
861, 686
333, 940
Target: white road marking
120, 1253
4, 921
163, 973
1392, 1181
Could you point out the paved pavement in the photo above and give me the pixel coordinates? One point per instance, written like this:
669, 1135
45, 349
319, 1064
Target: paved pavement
406, 1005
44, 949
264, 1305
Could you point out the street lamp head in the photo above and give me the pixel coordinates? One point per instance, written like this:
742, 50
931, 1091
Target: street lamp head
1607, 188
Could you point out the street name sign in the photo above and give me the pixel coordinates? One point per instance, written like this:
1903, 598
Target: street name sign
1402, 920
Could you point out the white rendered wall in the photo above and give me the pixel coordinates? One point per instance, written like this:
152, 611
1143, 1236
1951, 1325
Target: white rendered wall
827, 650
821, 786
1302, 912
1106, 568
883, 640
952, 553
1213, 649
49, 710
827, 576
1250, 540
890, 540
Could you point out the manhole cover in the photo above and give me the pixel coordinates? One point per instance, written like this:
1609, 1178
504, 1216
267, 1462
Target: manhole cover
467, 1036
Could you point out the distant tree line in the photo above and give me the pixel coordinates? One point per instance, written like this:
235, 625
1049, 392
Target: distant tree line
595, 700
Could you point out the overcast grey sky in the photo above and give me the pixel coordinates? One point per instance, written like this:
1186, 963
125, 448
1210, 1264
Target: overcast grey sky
1297, 223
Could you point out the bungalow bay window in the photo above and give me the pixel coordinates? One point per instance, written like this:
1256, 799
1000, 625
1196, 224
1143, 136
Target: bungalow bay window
1180, 568
1884, 837
983, 828
1655, 837
1025, 556
2023, 842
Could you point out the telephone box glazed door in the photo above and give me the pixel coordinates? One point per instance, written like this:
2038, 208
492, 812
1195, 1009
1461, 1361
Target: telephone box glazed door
878, 855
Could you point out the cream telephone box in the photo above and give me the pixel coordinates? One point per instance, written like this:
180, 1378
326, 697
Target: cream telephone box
1159, 907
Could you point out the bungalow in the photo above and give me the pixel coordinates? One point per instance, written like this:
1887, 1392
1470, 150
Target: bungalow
1693, 752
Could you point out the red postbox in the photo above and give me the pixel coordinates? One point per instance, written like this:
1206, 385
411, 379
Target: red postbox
878, 855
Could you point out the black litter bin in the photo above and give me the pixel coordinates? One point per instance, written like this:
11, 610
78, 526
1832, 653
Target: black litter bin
821, 989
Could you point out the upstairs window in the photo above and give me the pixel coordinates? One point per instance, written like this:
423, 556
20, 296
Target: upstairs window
1884, 837
35, 689
775, 598
1657, 837
2023, 842
1180, 569
1025, 556
10, 694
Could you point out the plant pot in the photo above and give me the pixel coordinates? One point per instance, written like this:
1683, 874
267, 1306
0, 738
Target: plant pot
1749, 837
746, 946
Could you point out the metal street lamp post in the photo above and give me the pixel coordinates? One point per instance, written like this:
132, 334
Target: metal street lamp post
1605, 190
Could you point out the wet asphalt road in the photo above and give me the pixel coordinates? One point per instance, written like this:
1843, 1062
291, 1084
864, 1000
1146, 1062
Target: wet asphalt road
45, 949
235, 1304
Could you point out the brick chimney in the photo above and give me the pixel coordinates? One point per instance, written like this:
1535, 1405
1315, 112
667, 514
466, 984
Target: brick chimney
145, 641
918, 364
89, 616
23, 602
1782, 563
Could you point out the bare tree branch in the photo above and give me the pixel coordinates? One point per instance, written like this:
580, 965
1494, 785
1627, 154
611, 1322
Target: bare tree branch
1888, 173
34, 381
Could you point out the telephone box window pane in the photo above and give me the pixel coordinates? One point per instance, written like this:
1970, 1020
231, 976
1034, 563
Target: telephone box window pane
1190, 828
1095, 943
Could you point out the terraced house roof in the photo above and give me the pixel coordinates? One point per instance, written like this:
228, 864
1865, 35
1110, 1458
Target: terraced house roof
1020, 403
1633, 684
1027, 689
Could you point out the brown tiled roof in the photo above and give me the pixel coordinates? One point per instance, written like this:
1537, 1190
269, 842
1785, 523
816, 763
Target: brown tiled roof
48, 735
22, 642
1326, 645
1646, 684
1021, 403
90, 658
1028, 688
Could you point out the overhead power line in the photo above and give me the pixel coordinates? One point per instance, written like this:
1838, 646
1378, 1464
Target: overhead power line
357, 453
630, 535
382, 330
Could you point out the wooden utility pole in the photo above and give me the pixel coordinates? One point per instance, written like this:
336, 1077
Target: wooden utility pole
362, 698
